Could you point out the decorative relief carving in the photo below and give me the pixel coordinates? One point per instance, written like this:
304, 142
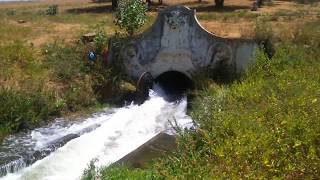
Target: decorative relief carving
175, 19
175, 31
131, 51
132, 55
219, 55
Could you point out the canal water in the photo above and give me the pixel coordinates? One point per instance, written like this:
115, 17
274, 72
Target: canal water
64, 149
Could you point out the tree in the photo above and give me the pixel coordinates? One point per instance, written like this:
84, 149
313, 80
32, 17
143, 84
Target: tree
114, 4
219, 3
131, 15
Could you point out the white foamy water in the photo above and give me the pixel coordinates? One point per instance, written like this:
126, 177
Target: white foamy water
44, 136
119, 133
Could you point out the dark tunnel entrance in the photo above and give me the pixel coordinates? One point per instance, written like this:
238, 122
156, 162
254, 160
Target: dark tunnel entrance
174, 84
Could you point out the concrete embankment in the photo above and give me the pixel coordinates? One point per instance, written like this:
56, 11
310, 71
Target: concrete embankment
154, 148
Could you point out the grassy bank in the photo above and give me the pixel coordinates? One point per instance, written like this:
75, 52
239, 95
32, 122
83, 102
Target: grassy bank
44, 69
55, 79
59, 80
263, 126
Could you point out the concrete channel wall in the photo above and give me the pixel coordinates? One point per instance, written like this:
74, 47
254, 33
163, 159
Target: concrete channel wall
177, 42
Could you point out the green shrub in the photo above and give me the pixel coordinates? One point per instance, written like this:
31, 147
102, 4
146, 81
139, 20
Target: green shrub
90, 173
52, 10
101, 39
19, 110
131, 15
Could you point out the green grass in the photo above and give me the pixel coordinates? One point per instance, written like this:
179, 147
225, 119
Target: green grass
21, 111
263, 126
228, 16
10, 33
116, 173
244, 15
34, 88
38, 24
34, 15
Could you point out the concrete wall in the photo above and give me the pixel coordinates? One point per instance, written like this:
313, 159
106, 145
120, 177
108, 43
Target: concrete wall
177, 42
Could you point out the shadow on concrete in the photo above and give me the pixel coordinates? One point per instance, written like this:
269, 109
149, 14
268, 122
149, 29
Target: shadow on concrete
107, 8
157, 147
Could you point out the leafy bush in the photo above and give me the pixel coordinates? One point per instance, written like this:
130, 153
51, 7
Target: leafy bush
90, 173
52, 10
101, 39
131, 15
19, 110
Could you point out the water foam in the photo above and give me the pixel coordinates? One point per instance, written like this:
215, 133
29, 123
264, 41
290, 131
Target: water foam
119, 133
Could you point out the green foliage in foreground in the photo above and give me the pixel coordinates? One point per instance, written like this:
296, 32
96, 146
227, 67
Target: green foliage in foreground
116, 173
131, 15
265, 126
21, 111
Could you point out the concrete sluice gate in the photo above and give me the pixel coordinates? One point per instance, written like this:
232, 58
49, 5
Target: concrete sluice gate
176, 47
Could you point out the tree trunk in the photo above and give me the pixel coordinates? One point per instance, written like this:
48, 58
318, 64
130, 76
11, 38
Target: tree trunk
114, 4
260, 3
219, 3
149, 3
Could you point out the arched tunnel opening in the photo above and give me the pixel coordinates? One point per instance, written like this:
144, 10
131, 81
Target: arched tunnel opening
174, 84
